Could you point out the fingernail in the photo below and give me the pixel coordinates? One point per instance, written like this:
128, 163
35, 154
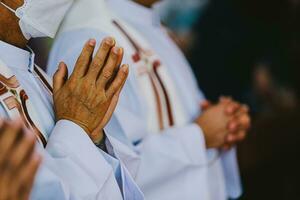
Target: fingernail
60, 65
110, 41
125, 68
121, 50
116, 50
92, 42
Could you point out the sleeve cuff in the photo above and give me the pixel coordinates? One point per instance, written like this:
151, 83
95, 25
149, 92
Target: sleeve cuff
70, 134
231, 174
192, 140
68, 140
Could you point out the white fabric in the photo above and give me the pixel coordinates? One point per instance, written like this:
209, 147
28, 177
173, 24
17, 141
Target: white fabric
172, 159
73, 167
223, 175
174, 162
41, 18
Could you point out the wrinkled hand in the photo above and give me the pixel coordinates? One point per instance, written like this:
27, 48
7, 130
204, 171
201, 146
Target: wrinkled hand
213, 121
19, 160
240, 122
89, 96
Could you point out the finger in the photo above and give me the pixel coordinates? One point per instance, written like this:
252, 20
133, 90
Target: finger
110, 67
225, 99
27, 175
245, 108
118, 82
232, 108
23, 150
84, 60
109, 111
233, 125
11, 134
31, 179
120, 58
2, 127
241, 121
236, 137
5, 181
60, 77
230, 138
245, 121
100, 58
241, 136
205, 104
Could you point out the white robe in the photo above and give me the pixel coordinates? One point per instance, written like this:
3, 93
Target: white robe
73, 167
174, 161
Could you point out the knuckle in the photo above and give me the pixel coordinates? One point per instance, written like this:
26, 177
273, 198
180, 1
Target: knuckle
113, 56
98, 62
114, 88
88, 85
105, 47
107, 74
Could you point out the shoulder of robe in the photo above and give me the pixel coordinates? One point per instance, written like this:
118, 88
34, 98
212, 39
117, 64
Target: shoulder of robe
94, 16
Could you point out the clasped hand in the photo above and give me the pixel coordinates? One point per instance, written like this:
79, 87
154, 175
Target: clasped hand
225, 123
88, 98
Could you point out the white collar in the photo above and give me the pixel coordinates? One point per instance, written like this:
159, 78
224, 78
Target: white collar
15, 57
131, 11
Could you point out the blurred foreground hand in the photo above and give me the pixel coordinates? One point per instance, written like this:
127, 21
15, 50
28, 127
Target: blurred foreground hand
19, 160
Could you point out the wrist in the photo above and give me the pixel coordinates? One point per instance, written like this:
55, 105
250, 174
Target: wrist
101, 144
96, 136
198, 122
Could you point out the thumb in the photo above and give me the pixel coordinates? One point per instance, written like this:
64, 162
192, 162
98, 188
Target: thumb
205, 104
60, 77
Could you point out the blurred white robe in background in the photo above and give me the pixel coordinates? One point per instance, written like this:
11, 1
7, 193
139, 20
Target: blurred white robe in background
157, 107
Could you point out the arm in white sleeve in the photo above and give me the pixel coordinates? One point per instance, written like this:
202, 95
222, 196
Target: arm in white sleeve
230, 168
231, 174
80, 164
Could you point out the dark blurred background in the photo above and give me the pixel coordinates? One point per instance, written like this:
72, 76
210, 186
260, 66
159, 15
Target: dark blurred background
250, 50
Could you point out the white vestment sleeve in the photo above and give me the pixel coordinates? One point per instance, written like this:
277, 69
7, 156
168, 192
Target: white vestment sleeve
81, 164
231, 174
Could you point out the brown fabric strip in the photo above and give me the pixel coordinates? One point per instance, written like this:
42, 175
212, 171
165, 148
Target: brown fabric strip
158, 105
156, 65
24, 98
136, 58
43, 79
11, 82
132, 42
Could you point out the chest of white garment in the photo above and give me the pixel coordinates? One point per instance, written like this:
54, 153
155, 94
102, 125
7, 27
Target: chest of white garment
39, 103
155, 85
